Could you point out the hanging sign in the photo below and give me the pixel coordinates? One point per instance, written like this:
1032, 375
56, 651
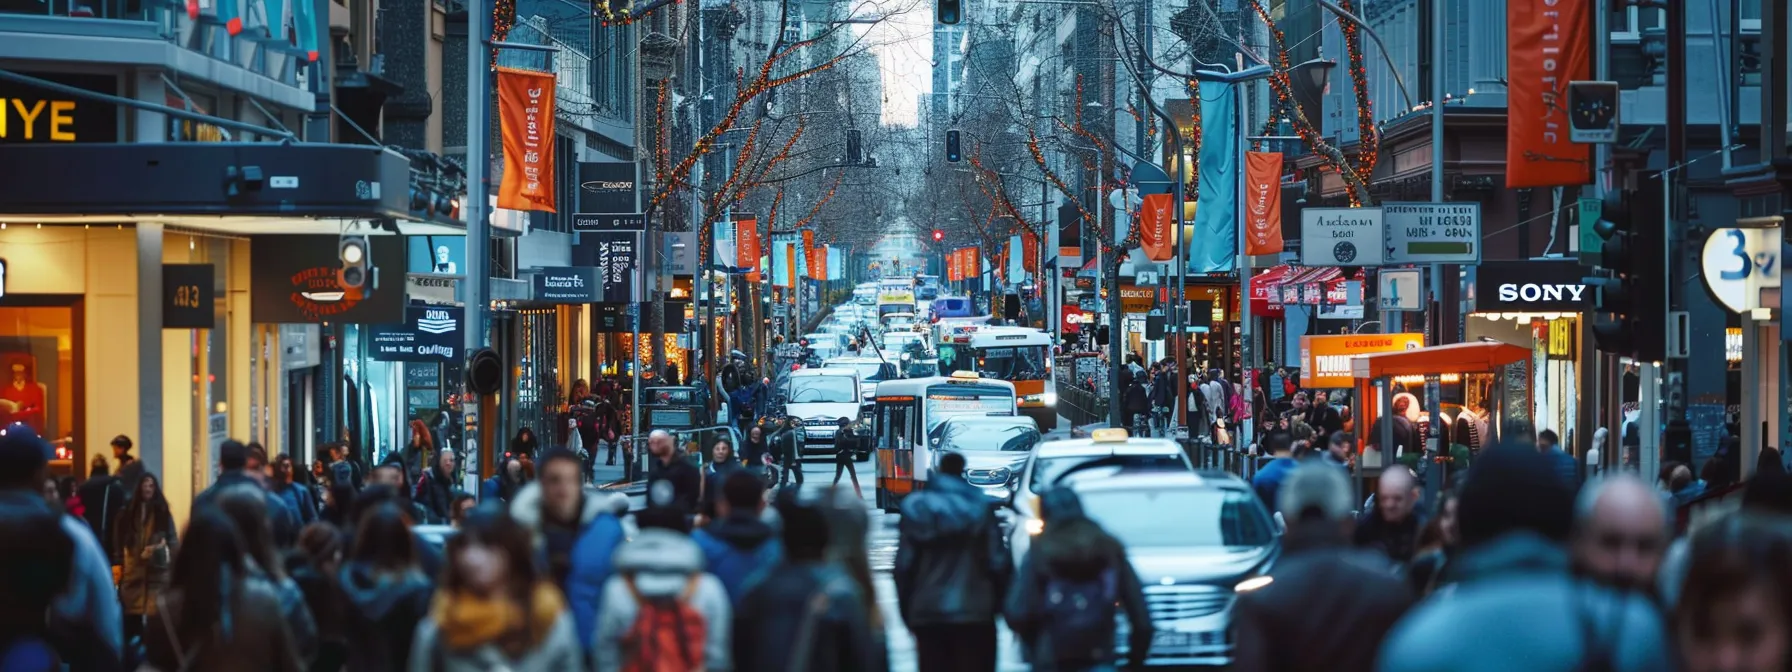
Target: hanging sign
526, 115
1398, 289
1432, 233
1263, 203
187, 295
1738, 264
1341, 237
585, 221
568, 284
430, 288
428, 334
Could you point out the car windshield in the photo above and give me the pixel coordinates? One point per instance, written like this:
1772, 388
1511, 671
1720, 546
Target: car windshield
1016, 363
945, 402
1052, 472
896, 340
822, 390
870, 372
963, 436
1205, 517
927, 293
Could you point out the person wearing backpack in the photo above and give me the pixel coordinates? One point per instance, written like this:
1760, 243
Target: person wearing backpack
952, 571
739, 544
1074, 581
661, 612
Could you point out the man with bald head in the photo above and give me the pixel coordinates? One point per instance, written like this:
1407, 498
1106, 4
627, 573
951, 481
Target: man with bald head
669, 464
1620, 533
1393, 526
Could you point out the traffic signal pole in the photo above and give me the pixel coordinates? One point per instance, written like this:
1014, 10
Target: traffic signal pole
1676, 443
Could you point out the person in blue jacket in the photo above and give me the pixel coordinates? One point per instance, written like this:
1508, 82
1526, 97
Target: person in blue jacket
576, 531
504, 486
1279, 445
739, 544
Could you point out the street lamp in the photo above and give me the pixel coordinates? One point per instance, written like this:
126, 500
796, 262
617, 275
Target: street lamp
1309, 82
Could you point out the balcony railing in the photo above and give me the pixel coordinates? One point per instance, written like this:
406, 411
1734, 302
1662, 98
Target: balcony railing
246, 33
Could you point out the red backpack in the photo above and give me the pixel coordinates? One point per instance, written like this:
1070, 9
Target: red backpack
668, 634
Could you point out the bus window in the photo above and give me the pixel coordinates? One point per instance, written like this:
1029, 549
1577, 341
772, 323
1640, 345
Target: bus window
1022, 363
893, 426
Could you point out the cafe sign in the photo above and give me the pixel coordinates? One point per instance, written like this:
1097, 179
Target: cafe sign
1325, 361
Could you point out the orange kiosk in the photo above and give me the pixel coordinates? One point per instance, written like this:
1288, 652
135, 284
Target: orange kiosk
1480, 370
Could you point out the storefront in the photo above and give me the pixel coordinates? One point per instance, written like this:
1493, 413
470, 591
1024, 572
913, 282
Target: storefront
1292, 302
1538, 305
1326, 361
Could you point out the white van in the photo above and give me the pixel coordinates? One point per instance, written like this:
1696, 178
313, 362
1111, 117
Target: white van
820, 398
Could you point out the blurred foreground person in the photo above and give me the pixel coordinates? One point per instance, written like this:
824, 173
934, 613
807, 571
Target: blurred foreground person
849, 526
1074, 579
385, 591
739, 545
1620, 533
215, 615
661, 610
1393, 525
805, 613
574, 531
494, 611
1735, 614
952, 571
1339, 602
1769, 492
247, 509
1514, 591
1439, 543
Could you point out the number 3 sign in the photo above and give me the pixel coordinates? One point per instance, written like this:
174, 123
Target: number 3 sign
1738, 263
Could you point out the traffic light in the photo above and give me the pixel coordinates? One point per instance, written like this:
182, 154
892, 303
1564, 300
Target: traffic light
938, 235
352, 250
1630, 314
952, 153
854, 149
948, 11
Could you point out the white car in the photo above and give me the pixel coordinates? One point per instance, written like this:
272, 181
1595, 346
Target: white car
1110, 452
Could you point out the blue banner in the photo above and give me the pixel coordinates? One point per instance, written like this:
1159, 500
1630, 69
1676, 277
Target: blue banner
1214, 245
836, 264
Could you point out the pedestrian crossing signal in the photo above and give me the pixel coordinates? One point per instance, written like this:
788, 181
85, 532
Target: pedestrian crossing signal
948, 12
952, 152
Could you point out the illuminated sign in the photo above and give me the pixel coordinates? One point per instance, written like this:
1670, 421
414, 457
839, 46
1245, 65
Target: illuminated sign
29, 114
2, 278
188, 294
1733, 344
1325, 361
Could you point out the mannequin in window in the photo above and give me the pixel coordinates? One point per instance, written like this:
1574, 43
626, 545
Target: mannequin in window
22, 396
443, 263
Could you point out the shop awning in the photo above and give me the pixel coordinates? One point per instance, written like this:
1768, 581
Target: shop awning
1304, 275
1263, 287
233, 188
1481, 357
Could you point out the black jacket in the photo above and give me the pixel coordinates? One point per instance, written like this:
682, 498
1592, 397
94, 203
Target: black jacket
754, 453
1398, 541
1341, 603
1325, 419
786, 444
952, 565
714, 476
436, 495
1138, 399
686, 481
1077, 551
1163, 391
382, 614
104, 498
842, 640
285, 520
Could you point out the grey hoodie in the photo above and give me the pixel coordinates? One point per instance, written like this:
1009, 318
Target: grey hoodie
662, 563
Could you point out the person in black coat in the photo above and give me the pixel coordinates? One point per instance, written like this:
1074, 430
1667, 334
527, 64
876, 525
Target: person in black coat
787, 447
1073, 549
668, 465
1138, 400
104, 498
436, 491
952, 571
1163, 392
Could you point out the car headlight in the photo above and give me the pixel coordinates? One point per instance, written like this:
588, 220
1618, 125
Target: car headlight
1050, 398
1253, 583
1035, 526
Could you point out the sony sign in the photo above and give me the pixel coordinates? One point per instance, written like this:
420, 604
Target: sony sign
1531, 292
1533, 286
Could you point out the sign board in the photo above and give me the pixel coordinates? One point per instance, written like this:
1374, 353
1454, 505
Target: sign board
1399, 289
1588, 211
34, 115
617, 257
292, 278
584, 222
428, 334
1325, 361
1341, 237
1533, 286
431, 289
1739, 263
1593, 112
570, 284
1432, 233
188, 292
608, 187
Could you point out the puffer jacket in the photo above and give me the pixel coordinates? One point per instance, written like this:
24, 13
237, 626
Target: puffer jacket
1530, 613
736, 549
383, 611
557, 649
661, 563
952, 565
589, 557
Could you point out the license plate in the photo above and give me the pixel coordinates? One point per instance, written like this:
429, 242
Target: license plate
1175, 640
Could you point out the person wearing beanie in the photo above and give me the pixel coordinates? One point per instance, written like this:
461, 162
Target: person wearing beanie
67, 572
1513, 579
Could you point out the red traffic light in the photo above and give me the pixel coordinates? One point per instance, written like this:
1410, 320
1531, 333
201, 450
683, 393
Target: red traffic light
938, 235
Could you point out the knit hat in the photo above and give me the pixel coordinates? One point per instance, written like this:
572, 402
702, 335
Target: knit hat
1514, 488
22, 453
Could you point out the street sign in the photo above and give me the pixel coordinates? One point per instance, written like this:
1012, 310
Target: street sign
1738, 264
584, 221
1593, 112
1341, 237
1399, 289
1432, 233
1589, 210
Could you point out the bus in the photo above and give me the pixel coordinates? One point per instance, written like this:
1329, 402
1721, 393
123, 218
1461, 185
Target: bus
1018, 355
895, 295
907, 413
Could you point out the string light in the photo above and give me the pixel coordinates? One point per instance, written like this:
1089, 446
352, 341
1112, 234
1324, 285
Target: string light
1356, 186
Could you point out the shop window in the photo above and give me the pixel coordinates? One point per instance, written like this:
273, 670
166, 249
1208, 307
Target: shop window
40, 358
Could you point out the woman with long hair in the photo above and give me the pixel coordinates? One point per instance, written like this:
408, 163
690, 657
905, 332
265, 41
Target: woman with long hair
247, 508
385, 590
1735, 609
417, 454
313, 565
143, 538
494, 610
1073, 556
214, 614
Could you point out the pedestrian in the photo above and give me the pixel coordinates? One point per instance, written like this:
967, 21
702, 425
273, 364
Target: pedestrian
846, 441
1197, 416
494, 610
392, 475
1621, 533
1550, 444
1677, 478
738, 544
1438, 543
102, 498
436, 491
1513, 582
342, 469
247, 509
464, 503
757, 454
385, 590
294, 495
503, 486
129, 467
1338, 601
315, 565
1073, 580
144, 540
1405, 438
787, 445
1769, 493
1279, 446
338, 503
660, 609
234, 470
1734, 613
524, 443
211, 584
1325, 417
1340, 451
1392, 526
806, 613
671, 466
952, 571
1138, 406
575, 531
722, 464
52, 565
417, 454
1163, 398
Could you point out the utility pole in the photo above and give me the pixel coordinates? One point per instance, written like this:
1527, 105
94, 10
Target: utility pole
1676, 441
1435, 451
479, 239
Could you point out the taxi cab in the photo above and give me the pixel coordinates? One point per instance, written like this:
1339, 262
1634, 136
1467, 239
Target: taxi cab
1107, 452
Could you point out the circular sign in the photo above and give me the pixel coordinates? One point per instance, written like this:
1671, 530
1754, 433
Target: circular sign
1344, 252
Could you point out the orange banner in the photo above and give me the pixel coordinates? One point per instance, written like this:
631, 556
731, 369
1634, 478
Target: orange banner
526, 117
973, 263
1546, 47
1030, 247
952, 273
815, 270
789, 266
746, 247
1155, 220
1263, 203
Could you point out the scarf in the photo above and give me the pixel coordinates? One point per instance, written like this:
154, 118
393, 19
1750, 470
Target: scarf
468, 622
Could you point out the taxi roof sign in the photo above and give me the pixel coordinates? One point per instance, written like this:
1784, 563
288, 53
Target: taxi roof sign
965, 375
1109, 435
